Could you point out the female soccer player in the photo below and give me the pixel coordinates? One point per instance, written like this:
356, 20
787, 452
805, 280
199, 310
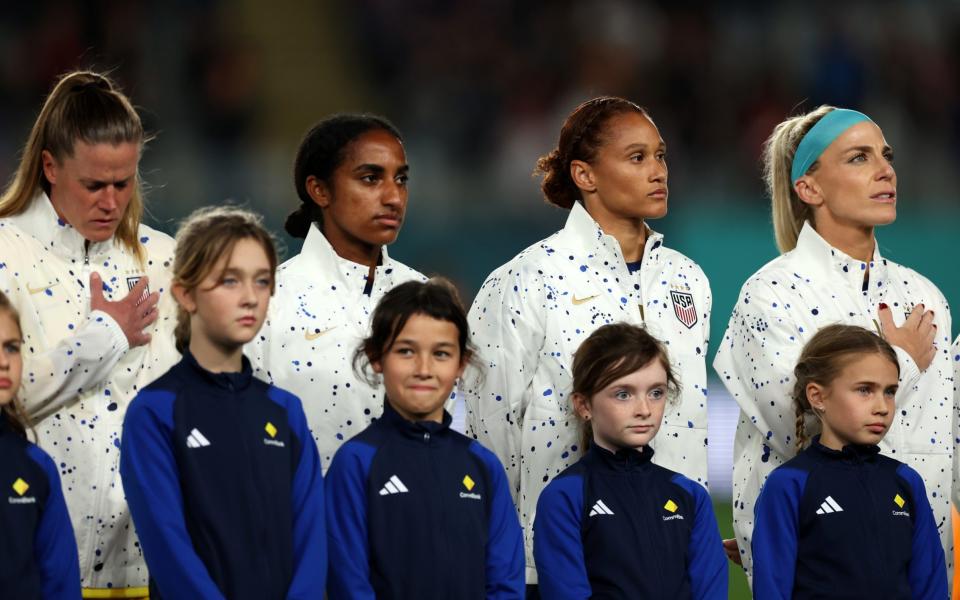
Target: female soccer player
351, 175
85, 276
221, 473
831, 179
615, 525
840, 519
415, 509
609, 169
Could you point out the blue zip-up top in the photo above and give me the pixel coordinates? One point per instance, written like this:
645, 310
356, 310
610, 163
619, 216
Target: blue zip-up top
38, 553
846, 524
224, 485
417, 510
615, 525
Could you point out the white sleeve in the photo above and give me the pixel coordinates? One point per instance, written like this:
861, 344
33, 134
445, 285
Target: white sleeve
756, 359
955, 358
508, 336
52, 377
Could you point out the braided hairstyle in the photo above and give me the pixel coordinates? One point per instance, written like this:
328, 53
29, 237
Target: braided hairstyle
821, 361
581, 136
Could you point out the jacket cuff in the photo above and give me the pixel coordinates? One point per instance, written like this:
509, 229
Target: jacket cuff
118, 339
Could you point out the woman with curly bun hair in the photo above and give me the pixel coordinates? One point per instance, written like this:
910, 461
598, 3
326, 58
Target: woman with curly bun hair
606, 265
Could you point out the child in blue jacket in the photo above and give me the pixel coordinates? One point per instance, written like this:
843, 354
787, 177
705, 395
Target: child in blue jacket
614, 524
415, 509
840, 520
220, 471
38, 552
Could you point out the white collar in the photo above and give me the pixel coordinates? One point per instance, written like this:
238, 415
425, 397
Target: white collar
812, 247
41, 221
318, 256
587, 233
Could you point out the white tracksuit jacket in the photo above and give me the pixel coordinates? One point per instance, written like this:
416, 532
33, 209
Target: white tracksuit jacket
780, 308
531, 315
79, 374
317, 318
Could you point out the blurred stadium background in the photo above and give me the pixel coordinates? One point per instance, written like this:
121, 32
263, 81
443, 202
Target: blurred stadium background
480, 89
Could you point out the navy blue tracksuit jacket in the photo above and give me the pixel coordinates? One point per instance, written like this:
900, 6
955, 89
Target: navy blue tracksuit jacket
843, 525
419, 511
615, 525
225, 488
38, 553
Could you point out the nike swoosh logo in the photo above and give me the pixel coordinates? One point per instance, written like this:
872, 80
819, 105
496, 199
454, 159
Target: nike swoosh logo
579, 301
37, 290
312, 335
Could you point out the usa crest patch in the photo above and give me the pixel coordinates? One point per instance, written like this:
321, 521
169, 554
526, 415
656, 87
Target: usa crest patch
132, 283
684, 308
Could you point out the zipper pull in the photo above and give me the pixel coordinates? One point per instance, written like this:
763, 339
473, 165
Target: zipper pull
426, 436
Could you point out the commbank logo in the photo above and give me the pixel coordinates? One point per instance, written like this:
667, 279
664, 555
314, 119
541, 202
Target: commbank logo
393, 486
20, 487
469, 484
599, 508
671, 507
271, 430
196, 439
828, 506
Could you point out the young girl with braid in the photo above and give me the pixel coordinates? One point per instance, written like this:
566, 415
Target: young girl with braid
840, 515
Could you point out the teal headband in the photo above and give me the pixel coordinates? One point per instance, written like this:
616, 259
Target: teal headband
821, 135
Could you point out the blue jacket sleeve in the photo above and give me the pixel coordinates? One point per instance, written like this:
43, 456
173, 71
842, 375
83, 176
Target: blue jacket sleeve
557, 542
775, 534
505, 558
347, 540
309, 519
928, 571
55, 547
706, 561
151, 483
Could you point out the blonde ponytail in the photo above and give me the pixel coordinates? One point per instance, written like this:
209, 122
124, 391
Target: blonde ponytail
789, 212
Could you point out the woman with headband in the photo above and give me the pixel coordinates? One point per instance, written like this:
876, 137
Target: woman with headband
606, 265
831, 180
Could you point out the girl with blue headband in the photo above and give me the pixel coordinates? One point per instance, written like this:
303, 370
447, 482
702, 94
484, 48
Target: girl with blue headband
831, 180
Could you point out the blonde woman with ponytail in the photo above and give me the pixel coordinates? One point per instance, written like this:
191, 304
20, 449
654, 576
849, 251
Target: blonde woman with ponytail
86, 277
831, 181
609, 170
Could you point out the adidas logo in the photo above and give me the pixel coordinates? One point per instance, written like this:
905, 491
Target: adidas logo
196, 439
599, 508
393, 486
829, 506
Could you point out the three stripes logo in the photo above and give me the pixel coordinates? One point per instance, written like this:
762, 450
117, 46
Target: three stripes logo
196, 439
393, 486
599, 508
829, 505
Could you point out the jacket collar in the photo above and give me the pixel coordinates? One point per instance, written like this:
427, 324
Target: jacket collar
851, 453
228, 381
318, 256
821, 255
40, 220
625, 459
586, 233
414, 429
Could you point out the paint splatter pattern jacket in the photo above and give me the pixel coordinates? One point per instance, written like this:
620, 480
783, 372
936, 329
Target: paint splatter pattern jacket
531, 315
780, 308
317, 317
79, 373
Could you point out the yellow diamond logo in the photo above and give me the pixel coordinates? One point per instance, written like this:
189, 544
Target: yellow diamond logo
468, 483
900, 501
271, 429
20, 486
671, 506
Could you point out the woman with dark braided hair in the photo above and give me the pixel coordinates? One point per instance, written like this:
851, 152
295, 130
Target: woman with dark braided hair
351, 176
609, 170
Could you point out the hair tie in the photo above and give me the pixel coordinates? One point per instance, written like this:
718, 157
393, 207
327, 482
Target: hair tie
822, 135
